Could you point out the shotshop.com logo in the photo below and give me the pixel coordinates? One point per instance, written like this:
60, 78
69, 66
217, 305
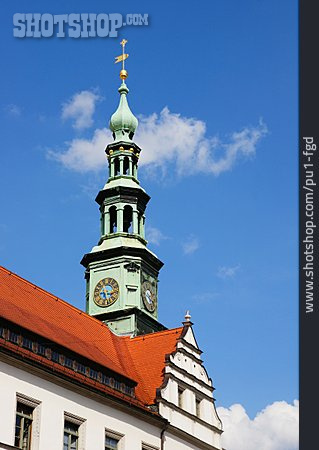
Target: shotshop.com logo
74, 25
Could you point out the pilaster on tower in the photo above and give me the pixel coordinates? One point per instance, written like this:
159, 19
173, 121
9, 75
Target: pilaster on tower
121, 272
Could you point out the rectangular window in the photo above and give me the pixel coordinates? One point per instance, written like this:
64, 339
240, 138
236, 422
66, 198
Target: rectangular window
23, 426
148, 447
81, 368
13, 337
68, 362
71, 436
197, 407
105, 379
94, 374
41, 350
27, 343
180, 397
55, 356
111, 443
112, 440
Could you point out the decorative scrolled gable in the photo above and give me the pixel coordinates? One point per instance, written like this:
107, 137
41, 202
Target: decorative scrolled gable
186, 395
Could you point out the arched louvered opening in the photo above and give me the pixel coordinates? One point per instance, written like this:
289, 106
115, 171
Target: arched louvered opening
113, 219
128, 219
134, 169
116, 167
126, 166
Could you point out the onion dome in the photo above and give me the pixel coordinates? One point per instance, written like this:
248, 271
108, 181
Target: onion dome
123, 123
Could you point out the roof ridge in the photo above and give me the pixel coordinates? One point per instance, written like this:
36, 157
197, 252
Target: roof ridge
155, 334
54, 297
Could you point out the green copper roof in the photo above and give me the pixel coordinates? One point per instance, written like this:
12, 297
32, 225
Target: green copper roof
123, 123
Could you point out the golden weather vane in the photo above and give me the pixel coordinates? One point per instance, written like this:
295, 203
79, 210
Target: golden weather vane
123, 57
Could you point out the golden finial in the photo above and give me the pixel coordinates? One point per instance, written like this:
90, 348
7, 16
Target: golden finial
123, 57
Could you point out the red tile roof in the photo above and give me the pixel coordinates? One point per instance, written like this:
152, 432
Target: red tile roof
148, 360
141, 359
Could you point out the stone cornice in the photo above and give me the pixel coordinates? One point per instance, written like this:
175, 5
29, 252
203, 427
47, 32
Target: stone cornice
191, 346
201, 445
190, 416
189, 355
123, 251
188, 385
122, 191
192, 377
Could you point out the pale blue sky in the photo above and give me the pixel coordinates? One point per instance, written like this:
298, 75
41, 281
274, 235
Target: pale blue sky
226, 233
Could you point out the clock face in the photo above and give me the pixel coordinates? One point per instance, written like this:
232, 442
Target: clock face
106, 292
149, 296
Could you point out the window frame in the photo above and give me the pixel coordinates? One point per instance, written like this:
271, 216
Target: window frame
69, 432
23, 423
146, 446
33, 404
111, 434
180, 397
78, 422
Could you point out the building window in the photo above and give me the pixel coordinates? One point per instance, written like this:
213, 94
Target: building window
126, 166
148, 447
112, 440
111, 443
73, 432
71, 435
55, 356
94, 374
197, 400
13, 337
23, 426
81, 368
105, 379
41, 350
127, 219
113, 219
27, 343
68, 362
180, 397
116, 167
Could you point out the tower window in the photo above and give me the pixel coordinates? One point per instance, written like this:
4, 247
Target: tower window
116, 167
127, 219
126, 166
23, 427
113, 219
134, 169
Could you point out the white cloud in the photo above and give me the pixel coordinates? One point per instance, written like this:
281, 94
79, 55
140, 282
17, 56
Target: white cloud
13, 110
170, 137
227, 272
190, 245
80, 108
167, 140
205, 297
274, 428
84, 155
154, 235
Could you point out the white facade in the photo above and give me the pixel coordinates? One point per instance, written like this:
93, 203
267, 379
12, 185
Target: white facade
54, 399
